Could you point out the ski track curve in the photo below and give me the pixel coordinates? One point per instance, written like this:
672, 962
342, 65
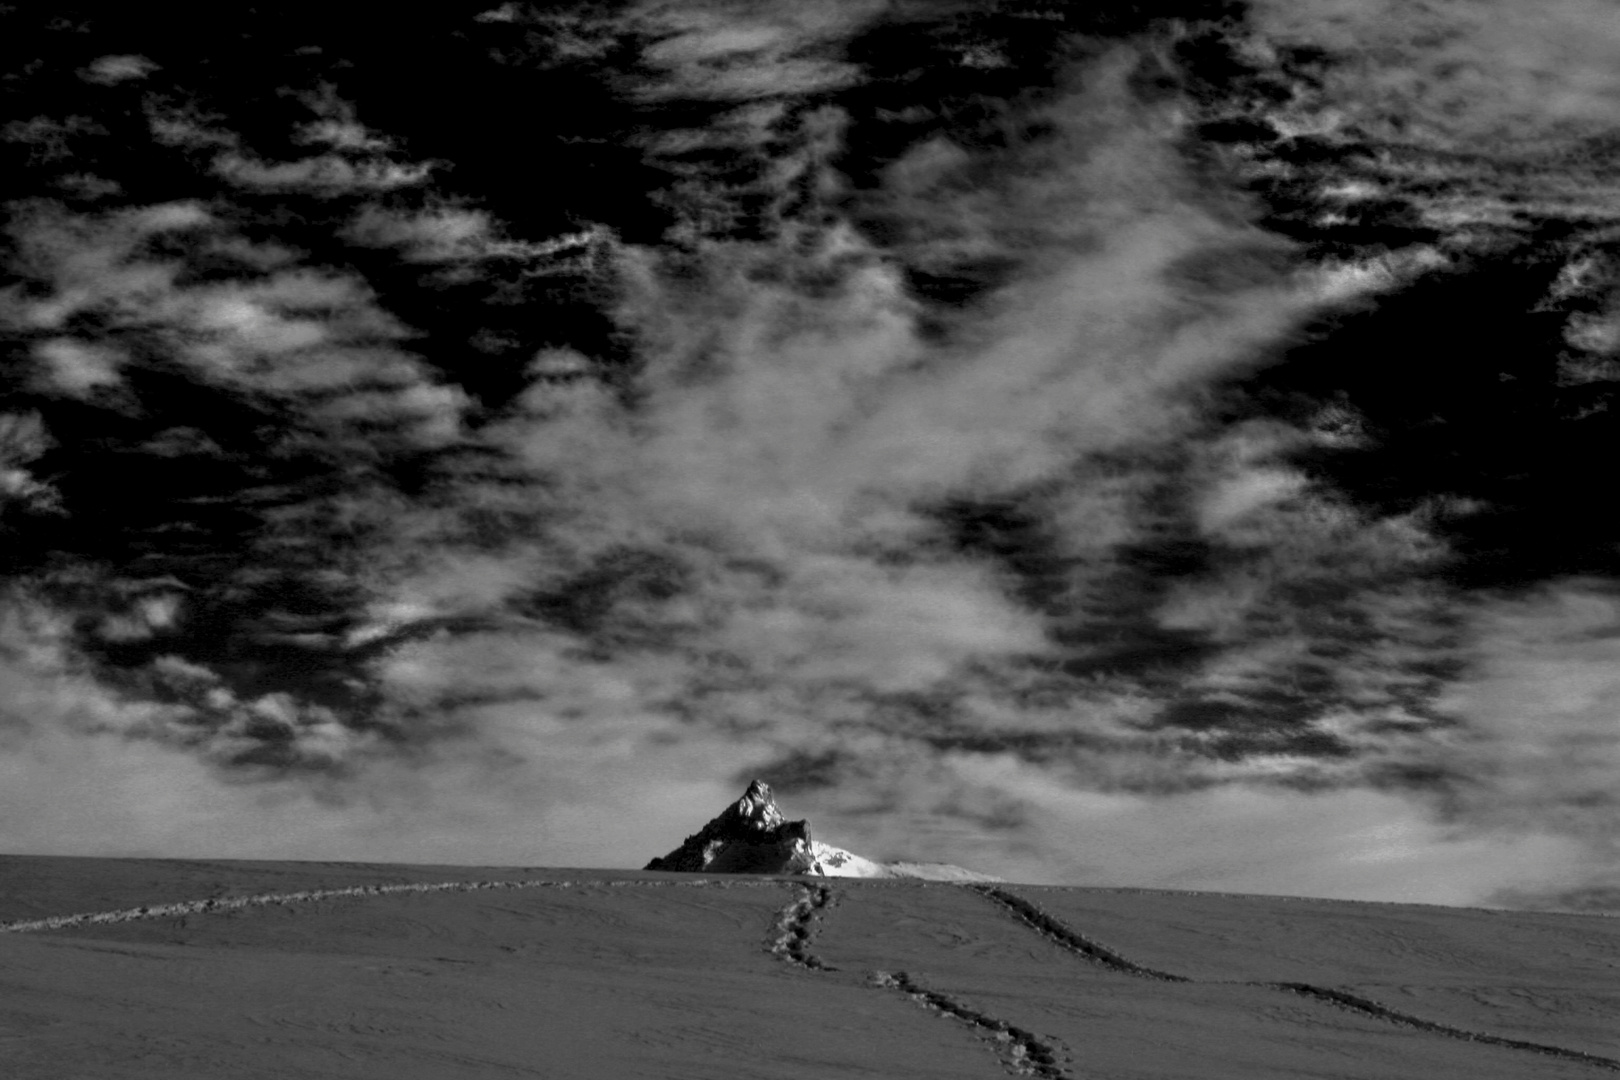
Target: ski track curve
1066, 938
1021, 1052
1368, 1007
1078, 944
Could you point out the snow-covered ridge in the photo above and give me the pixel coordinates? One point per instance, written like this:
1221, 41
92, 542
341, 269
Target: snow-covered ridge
751, 836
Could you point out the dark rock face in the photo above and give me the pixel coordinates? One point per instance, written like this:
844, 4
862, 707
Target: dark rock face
748, 837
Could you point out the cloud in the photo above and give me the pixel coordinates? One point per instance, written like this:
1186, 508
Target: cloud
123, 67
337, 125
812, 524
803, 530
23, 439
78, 368
272, 327
1542, 739
326, 174
85, 259
739, 51
914, 482
87, 770
1511, 74
439, 234
1351, 844
357, 161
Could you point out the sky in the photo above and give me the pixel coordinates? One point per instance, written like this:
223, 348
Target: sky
1108, 444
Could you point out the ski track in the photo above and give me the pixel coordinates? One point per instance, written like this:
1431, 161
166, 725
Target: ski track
304, 896
1368, 1007
790, 938
1064, 937
1021, 1053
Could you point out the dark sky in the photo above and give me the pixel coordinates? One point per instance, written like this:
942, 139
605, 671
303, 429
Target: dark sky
1100, 443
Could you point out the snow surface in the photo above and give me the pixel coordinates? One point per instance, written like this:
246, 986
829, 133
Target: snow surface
178, 970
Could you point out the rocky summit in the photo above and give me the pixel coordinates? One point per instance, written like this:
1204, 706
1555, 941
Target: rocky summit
748, 837
751, 836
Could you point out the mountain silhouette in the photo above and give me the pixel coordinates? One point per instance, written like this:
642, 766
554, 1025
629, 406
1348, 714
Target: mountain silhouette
752, 836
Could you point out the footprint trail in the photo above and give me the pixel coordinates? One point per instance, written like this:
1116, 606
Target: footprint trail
1021, 1052
219, 905
1066, 938
1071, 941
790, 934
1368, 1007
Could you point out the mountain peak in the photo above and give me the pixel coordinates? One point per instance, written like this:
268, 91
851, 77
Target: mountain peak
757, 807
748, 837
751, 836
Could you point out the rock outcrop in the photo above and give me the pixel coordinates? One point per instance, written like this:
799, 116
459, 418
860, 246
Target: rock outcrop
748, 837
752, 837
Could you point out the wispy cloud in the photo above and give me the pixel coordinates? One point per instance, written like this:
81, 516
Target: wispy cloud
744, 51
116, 68
1493, 74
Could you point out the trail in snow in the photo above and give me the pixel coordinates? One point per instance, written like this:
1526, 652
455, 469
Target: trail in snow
1069, 940
1021, 1052
790, 936
305, 896
1368, 1007
1065, 938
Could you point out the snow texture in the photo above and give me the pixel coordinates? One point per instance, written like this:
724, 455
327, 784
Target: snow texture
374, 971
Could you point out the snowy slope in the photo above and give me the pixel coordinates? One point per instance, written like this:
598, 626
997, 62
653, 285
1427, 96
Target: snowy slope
199, 970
